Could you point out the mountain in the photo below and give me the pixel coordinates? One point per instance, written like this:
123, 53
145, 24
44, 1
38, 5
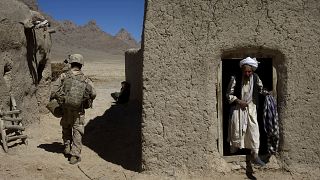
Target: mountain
71, 38
90, 36
125, 36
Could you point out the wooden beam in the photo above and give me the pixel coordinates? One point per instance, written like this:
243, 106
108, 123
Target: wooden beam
236, 158
15, 127
10, 112
220, 108
3, 136
12, 138
12, 119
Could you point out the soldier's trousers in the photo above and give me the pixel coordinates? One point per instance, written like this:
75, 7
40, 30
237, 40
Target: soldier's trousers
72, 123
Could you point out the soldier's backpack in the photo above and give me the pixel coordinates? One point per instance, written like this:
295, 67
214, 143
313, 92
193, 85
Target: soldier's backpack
75, 91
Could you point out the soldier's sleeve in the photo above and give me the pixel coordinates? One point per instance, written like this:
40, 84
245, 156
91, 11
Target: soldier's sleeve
94, 93
56, 85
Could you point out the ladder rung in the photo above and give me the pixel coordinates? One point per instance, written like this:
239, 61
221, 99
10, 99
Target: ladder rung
15, 127
10, 112
11, 138
12, 119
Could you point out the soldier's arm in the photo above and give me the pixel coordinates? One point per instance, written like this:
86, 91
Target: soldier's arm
55, 86
94, 93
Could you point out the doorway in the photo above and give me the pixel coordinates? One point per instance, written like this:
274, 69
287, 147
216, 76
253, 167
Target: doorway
230, 67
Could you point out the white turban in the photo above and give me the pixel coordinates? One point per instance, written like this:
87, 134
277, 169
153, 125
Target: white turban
250, 61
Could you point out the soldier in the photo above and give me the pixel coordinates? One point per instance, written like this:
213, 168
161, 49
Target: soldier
122, 97
75, 93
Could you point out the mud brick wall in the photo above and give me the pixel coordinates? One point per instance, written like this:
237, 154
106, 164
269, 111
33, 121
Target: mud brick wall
133, 71
24, 61
183, 43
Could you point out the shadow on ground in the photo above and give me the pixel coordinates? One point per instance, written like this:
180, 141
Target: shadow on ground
116, 135
55, 147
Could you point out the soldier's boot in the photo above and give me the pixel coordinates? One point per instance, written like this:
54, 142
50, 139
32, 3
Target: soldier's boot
74, 159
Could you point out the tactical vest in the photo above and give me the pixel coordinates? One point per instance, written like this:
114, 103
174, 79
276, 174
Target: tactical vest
76, 90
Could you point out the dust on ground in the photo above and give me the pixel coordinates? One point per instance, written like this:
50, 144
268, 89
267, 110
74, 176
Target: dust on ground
112, 140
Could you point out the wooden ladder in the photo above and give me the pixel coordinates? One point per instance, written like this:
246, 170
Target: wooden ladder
12, 129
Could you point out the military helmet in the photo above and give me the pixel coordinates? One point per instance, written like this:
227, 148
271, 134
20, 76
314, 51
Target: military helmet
76, 58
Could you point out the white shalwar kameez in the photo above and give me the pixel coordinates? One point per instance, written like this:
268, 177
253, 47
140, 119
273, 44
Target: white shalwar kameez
243, 124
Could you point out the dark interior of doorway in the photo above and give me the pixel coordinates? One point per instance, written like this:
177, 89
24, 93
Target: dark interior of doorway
230, 67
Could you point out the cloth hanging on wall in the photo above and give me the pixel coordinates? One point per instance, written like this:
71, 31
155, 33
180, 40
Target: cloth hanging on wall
271, 124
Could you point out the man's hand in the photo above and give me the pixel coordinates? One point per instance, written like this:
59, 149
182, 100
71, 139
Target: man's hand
242, 104
265, 92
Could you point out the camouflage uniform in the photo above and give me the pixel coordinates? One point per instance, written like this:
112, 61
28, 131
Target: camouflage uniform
72, 121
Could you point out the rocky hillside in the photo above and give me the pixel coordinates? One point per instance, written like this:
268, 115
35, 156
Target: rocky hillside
126, 37
70, 38
89, 36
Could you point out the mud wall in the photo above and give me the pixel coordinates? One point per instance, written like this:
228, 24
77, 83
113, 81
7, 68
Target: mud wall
24, 61
183, 44
133, 71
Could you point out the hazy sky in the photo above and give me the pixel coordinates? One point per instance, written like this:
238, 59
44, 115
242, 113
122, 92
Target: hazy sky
110, 15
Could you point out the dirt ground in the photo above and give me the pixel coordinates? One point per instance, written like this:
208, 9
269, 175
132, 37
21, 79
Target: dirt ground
112, 141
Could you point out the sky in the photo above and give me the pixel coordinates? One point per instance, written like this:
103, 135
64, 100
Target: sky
110, 15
